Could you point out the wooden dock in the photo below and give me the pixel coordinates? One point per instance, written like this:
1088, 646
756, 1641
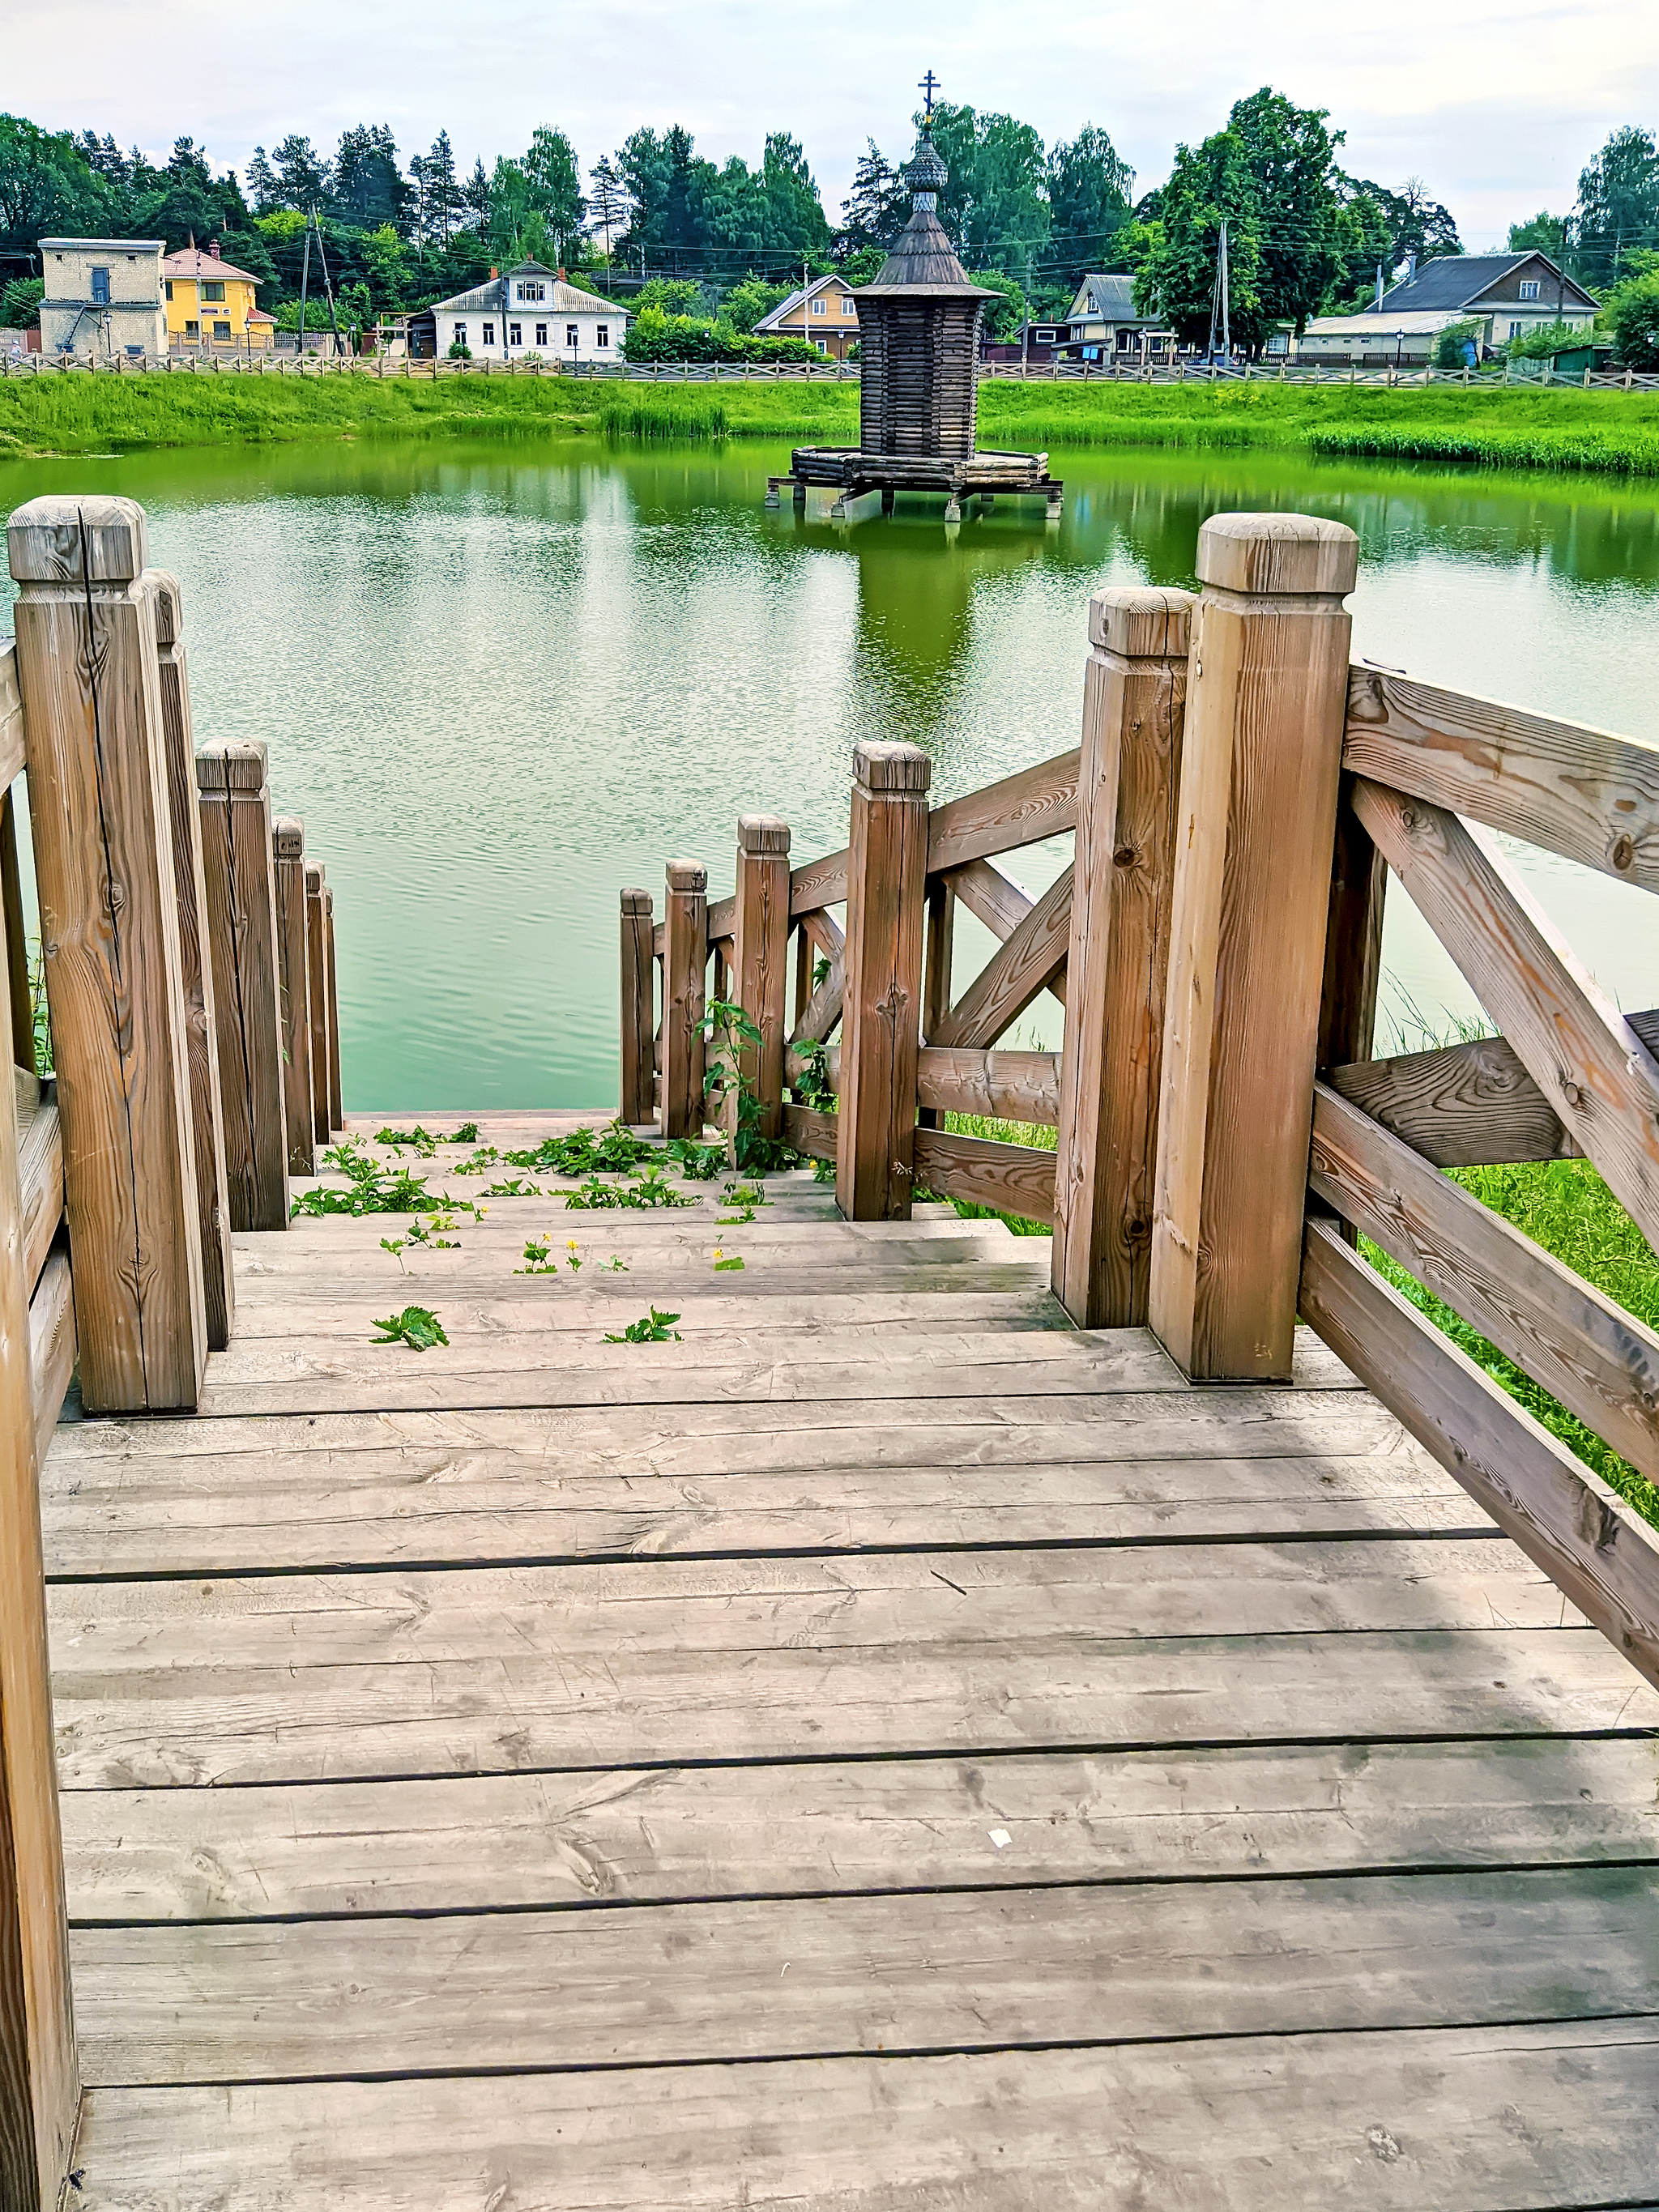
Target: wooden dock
889, 1749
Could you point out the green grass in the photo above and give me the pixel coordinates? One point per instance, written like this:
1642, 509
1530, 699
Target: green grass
1525, 427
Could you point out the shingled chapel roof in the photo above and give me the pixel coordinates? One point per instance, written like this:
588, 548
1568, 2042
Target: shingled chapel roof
922, 261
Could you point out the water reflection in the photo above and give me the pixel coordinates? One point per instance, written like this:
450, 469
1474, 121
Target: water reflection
500, 680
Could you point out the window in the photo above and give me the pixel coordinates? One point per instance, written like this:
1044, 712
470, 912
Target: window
821, 344
820, 306
541, 334
602, 336
529, 291
169, 288
222, 329
572, 334
848, 304
1529, 288
1042, 337
515, 334
100, 288
1515, 329
489, 333
213, 291
459, 338
193, 330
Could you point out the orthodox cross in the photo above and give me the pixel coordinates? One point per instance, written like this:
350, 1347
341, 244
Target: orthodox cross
929, 85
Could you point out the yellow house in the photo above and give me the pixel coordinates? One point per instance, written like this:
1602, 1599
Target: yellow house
210, 303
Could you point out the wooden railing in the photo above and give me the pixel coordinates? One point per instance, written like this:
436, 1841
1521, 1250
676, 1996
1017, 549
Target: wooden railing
1241, 797
183, 1033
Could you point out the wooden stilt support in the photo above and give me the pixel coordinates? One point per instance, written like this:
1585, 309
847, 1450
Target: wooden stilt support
685, 916
288, 845
886, 896
1266, 702
760, 957
638, 1011
317, 983
1129, 780
336, 1093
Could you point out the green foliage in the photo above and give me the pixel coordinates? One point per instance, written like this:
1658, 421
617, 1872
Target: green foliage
372, 1188
39, 1016
653, 1328
1543, 234
727, 1028
1089, 185
1618, 205
1547, 339
615, 1150
699, 1162
723, 1265
674, 296
745, 303
1005, 315
994, 205
652, 1189
655, 336
1451, 347
811, 1087
1209, 185
416, 1325
1632, 315
19, 303
771, 217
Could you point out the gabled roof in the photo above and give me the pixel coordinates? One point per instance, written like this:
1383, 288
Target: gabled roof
563, 298
195, 261
1459, 280
771, 320
1111, 298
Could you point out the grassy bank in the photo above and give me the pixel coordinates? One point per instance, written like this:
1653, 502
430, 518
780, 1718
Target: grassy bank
1514, 427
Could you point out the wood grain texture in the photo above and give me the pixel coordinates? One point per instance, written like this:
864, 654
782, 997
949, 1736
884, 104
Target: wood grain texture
1579, 791
14, 928
1259, 765
811, 1131
1379, 2123
39, 2086
1134, 709
1593, 1546
1591, 1065
317, 972
1461, 1105
881, 1027
293, 989
638, 1014
241, 912
195, 963
1011, 1086
1600, 1361
1014, 1178
1353, 942
760, 959
40, 1180
1034, 955
1022, 808
819, 883
468, 1843
336, 1080
11, 717
685, 962
87, 662
52, 1347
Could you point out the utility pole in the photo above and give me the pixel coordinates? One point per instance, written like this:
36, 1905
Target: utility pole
1219, 304
1226, 307
1379, 288
305, 285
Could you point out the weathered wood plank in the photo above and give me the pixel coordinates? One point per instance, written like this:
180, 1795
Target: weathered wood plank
317, 986
1014, 1178
881, 1033
685, 962
41, 1183
1117, 965
52, 1347
1597, 1074
1259, 767
294, 987
1380, 2123
760, 960
1032, 957
86, 664
1354, 944
241, 912
1600, 1361
195, 960
468, 1843
1011, 1086
1022, 808
778, 1978
336, 1102
11, 717
13, 926
819, 883
1600, 1552
987, 894
1579, 791
638, 1009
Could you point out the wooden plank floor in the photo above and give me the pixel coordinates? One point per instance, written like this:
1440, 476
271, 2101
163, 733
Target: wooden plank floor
886, 1751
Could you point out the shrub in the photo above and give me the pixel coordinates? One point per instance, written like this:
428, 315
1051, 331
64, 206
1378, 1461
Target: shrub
658, 336
459, 352
1548, 339
1452, 347
1633, 317
19, 303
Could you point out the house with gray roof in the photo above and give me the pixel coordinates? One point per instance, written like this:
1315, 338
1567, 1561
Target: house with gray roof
1102, 324
1504, 295
531, 310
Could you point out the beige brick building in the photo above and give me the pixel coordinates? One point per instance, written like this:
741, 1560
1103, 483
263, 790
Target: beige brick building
103, 296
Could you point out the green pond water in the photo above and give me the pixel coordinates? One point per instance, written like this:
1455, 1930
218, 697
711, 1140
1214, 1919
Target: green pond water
500, 681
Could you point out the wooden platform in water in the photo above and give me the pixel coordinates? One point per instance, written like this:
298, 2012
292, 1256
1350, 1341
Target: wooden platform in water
887, 1751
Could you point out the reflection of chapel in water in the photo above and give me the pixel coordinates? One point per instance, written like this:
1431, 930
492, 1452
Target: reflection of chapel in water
919, 326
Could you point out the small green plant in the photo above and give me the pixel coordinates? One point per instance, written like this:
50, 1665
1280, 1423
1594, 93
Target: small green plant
728, 1028
395, 1246
652, 1188
417, 1326
724, 1263
481, 1162
701, 1163
811, 1087
651, 1328
423, 1140
573, 1258
615, 1151
745, 1197
824, 1171
518, 1188
39, 1019
374, 1189
616, 1264
467, 1134
537, 1261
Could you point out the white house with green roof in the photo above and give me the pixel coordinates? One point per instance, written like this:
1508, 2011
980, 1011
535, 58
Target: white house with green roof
531, 310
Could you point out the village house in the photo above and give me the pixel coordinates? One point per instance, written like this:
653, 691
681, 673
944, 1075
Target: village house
530, 310
1102, 324
825, 314
210, 302
1503, 296
103, 296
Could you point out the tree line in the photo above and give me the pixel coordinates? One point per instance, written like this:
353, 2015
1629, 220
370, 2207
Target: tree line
1303, 235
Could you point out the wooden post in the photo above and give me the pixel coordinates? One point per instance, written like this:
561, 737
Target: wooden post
886, 897
109, 921
1134, 702
1262, 756
686, 963
638, 1010
288, 847
760, 956
201, 1029
16, 937
241, 908
936, 980
317, 981
1354, 944
336, 1099
39, 2089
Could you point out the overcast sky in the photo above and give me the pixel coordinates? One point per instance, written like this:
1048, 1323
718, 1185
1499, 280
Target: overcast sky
1497, 106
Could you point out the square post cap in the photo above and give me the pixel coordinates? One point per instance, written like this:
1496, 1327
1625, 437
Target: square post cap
895, 769
168, 611
636, 901
288, 838
315, 875
1296, 555
762, 832
77, 541
687, 876
237, 766
1142, 621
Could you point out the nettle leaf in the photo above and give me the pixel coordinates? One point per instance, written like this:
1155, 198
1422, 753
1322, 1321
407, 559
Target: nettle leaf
418, 1326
